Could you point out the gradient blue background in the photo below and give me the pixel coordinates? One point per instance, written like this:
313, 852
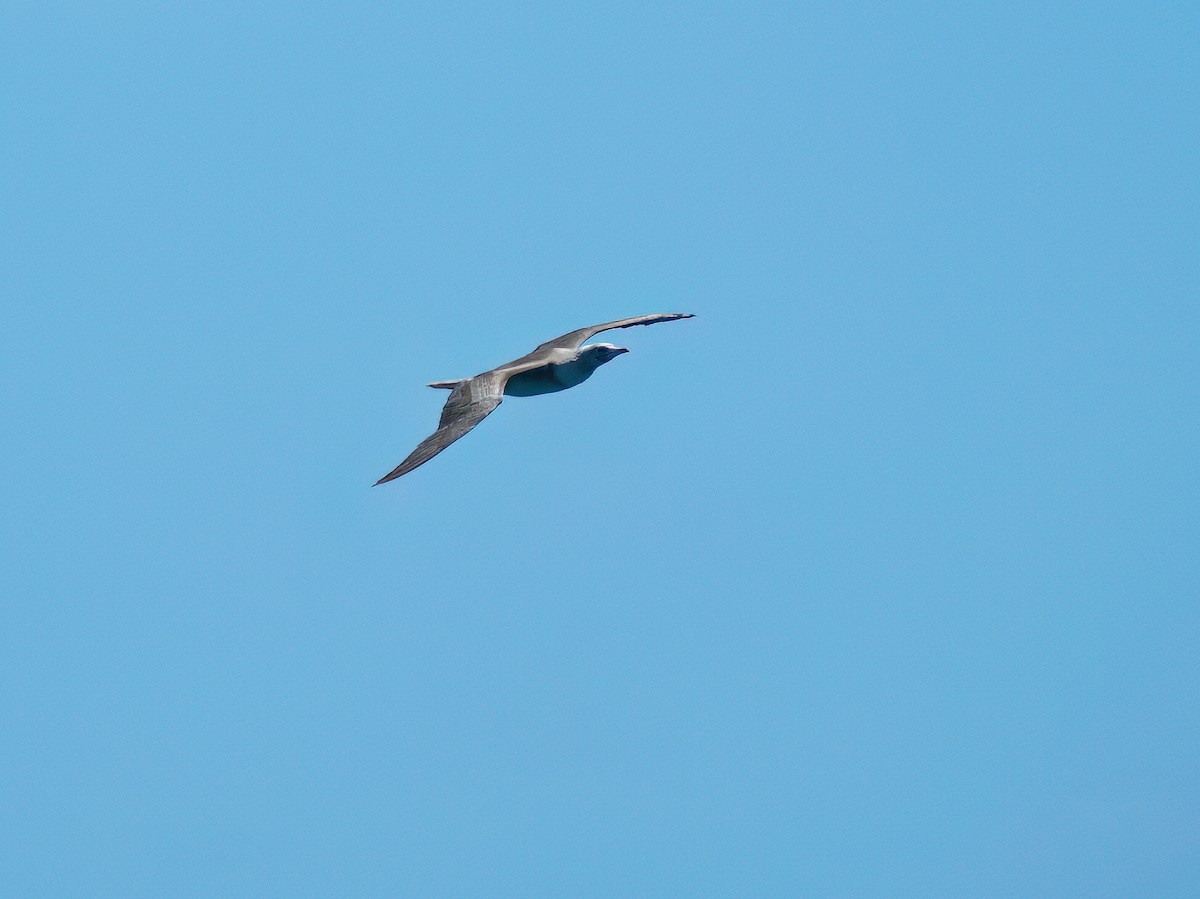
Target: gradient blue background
879, 577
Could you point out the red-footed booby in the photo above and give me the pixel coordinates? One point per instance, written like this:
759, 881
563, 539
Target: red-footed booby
555, 365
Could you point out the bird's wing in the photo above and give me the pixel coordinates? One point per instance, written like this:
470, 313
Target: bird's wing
575, 339
470, 403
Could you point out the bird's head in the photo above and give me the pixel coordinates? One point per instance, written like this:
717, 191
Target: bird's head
599, 353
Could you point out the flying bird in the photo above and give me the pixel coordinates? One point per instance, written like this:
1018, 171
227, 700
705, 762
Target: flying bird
555, 365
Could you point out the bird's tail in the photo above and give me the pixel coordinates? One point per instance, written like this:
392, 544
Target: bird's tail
446, 385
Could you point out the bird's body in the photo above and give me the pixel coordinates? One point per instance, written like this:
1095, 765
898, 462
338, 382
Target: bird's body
556, 365
553, 376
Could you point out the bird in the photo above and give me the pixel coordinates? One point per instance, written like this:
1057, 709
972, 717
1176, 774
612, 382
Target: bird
555, 365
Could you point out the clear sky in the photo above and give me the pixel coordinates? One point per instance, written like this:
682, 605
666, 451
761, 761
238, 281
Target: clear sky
878, 577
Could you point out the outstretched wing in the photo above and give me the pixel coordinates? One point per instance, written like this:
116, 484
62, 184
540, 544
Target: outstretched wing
470, 403
575, 339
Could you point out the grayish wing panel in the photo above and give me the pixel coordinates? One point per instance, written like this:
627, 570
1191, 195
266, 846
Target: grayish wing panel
469, 403
575, 339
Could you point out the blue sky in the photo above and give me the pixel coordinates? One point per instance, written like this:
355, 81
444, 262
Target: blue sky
877, 577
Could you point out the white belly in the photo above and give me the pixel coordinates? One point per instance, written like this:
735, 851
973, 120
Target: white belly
548, 379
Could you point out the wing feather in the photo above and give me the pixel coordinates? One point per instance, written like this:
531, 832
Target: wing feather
573, 340
470, 403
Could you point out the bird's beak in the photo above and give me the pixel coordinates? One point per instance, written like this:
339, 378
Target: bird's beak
620, 350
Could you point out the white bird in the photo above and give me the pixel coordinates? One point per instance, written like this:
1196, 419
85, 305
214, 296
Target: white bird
555, 365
